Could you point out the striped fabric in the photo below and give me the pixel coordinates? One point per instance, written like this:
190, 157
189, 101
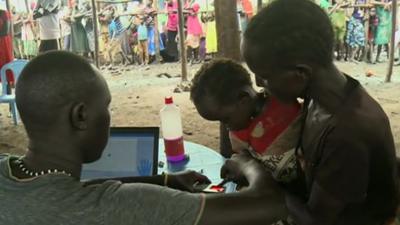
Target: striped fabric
116, 28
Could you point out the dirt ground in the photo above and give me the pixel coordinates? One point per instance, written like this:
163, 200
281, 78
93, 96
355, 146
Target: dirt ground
138, 95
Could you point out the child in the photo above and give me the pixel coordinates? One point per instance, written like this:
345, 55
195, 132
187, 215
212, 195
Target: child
222, 91
383, 31
338, 18
194, 31
373, 26
211, 35
28, 36
143, 44
355, 38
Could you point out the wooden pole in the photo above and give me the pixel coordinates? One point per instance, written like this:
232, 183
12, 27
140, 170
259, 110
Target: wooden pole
366, 25
182, 42
392, 41
96, 33
227, 29
228, 47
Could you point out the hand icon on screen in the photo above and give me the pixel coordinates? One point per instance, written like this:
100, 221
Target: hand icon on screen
144, 168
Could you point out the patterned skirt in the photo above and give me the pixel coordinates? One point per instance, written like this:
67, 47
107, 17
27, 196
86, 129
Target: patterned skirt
355, 33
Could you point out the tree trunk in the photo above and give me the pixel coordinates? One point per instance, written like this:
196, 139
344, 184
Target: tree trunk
156, 32
392, 41
366, 25
182, 42
228, 47
96, 33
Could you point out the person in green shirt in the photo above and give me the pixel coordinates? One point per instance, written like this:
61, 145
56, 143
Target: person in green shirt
338, 19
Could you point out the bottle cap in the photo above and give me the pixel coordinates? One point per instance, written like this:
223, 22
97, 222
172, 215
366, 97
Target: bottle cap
169, 100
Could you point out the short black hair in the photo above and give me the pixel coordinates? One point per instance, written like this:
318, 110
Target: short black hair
293, 30
219, 79
50, 82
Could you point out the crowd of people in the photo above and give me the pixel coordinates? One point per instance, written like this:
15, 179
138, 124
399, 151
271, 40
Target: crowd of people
128, 29
362, 29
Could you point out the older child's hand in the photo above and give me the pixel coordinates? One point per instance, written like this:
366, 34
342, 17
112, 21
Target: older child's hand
249, 173
239, 168
185, 181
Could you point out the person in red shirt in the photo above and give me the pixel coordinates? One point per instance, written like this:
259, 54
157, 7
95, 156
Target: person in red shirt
6, 53
223, 91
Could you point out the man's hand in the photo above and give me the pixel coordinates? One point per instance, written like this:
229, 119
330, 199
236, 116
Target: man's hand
185, 181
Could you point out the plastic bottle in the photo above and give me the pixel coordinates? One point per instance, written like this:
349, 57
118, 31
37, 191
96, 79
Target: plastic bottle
171, 127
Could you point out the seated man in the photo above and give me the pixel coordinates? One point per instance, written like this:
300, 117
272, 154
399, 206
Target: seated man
63, 102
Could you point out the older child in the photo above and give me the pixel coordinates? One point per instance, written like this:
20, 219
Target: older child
346, 147
222, 91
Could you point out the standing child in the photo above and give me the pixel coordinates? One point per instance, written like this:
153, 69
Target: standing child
355, 38
194, 31
222, 91
65, 24
28, 36
338, 18
383, 31
172, 30
373, 26
79, 39
143, 42
17, 27
211, 35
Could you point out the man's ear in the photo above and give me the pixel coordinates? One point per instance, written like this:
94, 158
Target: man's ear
79, 116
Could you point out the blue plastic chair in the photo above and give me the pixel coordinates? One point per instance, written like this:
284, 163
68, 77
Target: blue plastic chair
16, 67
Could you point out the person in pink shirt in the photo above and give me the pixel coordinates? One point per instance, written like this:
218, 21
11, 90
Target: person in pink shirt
194, 30
172, 30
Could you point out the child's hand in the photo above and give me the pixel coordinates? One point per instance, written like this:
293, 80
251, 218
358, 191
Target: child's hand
185, 181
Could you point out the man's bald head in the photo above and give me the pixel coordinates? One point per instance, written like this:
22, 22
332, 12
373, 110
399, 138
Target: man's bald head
53, 82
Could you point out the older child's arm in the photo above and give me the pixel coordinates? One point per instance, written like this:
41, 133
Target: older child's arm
261, 203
